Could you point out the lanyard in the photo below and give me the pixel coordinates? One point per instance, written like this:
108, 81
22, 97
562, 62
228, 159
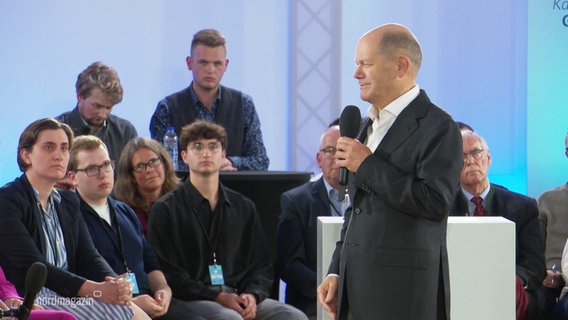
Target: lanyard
334, 208
212, 243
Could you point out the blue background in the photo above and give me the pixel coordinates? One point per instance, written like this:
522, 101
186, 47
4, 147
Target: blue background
500, 66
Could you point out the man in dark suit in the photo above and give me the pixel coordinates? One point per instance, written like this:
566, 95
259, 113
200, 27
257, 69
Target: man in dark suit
391, 260
296, 241
497, 201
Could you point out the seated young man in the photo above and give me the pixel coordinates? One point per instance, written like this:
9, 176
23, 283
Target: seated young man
209, 240
117, 233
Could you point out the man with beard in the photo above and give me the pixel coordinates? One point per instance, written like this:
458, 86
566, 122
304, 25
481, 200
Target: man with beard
98, 91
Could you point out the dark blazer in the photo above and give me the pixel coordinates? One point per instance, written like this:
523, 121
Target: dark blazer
122, 244
22, 242
296, 242
392, 257
523, 211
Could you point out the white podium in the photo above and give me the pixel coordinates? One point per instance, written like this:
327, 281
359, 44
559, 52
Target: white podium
481, 253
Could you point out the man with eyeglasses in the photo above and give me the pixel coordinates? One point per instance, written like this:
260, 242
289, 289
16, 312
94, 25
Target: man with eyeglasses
296, 237
478, 197
209, 240
116, 231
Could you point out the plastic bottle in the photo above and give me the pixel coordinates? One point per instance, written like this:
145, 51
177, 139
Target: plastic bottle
171, 145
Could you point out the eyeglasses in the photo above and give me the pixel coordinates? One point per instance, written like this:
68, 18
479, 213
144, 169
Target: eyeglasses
329, 151
142, 166
95, 170
476, 154
198, 147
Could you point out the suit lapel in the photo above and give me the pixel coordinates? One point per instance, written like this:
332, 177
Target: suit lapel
321, 199
459, 206
367, 122
405, 124
492, 204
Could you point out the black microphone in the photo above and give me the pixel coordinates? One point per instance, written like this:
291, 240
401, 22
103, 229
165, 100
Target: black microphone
35, 279
349, 124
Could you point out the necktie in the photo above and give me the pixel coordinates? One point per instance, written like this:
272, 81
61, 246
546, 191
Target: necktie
479, 209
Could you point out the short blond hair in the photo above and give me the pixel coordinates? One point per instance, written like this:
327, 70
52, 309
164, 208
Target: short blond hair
83, 143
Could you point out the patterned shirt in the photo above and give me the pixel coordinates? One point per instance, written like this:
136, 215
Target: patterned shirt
253, 155
55, 253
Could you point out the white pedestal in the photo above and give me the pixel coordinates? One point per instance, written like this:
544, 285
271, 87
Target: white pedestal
481, 253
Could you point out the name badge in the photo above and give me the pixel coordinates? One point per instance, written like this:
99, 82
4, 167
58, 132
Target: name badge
216, 274
131, 277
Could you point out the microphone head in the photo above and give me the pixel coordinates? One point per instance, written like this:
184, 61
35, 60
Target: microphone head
350, 121
35, 277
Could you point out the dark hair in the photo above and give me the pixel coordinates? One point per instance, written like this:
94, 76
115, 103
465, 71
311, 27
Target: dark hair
29, 136
201, 129
99, 75
334, 123
464, 126
125, 188
208, 37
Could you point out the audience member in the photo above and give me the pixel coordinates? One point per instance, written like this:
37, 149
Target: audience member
406, 172
206, 99
209, 240
560, 309
145, 173
478, 197
98, 91
296, 238
116, 231
42, 224
552, 205
9, 298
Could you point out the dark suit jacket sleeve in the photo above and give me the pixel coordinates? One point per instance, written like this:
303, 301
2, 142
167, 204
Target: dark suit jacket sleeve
530, 250
334, 264
291, 248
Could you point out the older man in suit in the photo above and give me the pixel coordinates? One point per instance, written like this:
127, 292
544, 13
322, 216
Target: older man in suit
391, 260
478, 197
296, 241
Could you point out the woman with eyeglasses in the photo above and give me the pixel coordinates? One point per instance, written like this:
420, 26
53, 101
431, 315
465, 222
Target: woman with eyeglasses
145, 173
40, 223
